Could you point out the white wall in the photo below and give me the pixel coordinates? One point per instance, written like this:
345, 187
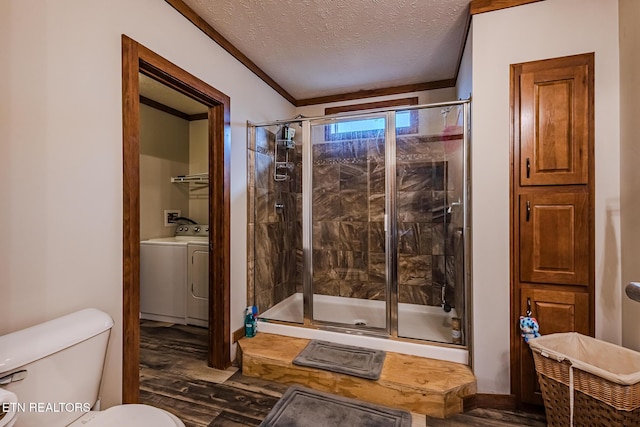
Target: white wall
629, 161
464, 82
61, 153
199, 163
547, 29
164, 152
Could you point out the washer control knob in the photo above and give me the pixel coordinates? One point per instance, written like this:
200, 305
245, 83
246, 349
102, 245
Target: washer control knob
196, 229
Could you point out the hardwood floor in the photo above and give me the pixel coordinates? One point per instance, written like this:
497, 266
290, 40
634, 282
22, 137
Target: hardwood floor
174, 377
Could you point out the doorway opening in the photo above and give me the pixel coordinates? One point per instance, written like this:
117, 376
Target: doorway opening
138, 60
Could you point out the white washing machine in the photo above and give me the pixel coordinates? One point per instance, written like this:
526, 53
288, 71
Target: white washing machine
174, 277
163, 280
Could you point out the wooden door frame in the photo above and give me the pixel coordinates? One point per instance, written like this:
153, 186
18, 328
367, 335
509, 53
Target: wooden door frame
138, 59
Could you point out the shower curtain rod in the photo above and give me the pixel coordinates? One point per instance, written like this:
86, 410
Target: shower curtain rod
362, 112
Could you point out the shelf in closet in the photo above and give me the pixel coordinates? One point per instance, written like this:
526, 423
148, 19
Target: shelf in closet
198, 178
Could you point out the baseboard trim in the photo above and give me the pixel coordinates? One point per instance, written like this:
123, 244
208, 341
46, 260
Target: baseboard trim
237, 334
491, 401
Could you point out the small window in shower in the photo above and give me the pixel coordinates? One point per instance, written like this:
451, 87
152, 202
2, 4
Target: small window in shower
406, 121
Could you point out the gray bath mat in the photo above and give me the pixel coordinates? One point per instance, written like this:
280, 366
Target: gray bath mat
344, 359
303, 407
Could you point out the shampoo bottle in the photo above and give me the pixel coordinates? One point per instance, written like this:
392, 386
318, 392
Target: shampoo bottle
249, 323
456, 332
254, 312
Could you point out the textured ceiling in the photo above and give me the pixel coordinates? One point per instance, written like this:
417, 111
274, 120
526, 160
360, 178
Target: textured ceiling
317, 48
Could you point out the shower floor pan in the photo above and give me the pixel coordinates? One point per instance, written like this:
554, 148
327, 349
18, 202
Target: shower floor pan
414, 322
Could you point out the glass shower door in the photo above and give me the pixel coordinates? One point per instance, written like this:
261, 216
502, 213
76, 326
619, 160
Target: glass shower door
429, 194
348, 277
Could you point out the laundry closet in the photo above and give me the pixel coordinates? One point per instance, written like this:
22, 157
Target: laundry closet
174, 206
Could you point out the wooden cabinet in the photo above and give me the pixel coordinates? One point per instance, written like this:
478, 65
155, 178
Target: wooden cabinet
554, 237
552, 208
553, 123
557, 311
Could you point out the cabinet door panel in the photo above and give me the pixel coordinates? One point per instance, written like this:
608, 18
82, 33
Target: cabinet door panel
554, 131
555, 311
554, 238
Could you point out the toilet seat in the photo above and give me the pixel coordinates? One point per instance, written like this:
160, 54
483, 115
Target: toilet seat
132, 415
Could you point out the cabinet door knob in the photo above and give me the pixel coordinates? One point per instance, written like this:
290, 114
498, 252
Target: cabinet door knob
528, 167
528, 210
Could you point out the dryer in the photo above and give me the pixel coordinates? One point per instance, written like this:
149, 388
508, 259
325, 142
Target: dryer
198, 283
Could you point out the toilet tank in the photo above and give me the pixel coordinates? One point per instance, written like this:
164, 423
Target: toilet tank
63, 359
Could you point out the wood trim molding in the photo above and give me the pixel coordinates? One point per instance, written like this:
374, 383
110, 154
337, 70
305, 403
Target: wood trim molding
220, 240
170, 110
130, 222
138, 59
204, 26
372, 105
482, 6
238, 334
440, 84
160, 106
490, 401
199, 116
463, 43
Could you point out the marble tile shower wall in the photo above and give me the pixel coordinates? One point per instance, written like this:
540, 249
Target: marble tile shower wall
274, 234
348, 219
428, 250
348, 214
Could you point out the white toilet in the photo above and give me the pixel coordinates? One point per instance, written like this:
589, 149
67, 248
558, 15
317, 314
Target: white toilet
50, 377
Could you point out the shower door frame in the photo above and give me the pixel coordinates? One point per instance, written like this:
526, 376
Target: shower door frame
390, 220
391, 283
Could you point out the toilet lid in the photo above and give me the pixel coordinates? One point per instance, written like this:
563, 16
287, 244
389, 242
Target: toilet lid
134, 416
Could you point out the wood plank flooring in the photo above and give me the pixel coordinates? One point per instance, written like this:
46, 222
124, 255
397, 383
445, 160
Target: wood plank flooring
172, 377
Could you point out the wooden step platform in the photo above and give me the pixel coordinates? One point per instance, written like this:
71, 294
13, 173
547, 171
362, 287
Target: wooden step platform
420, 385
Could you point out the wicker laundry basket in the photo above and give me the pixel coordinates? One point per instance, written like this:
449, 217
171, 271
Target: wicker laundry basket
587, 382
